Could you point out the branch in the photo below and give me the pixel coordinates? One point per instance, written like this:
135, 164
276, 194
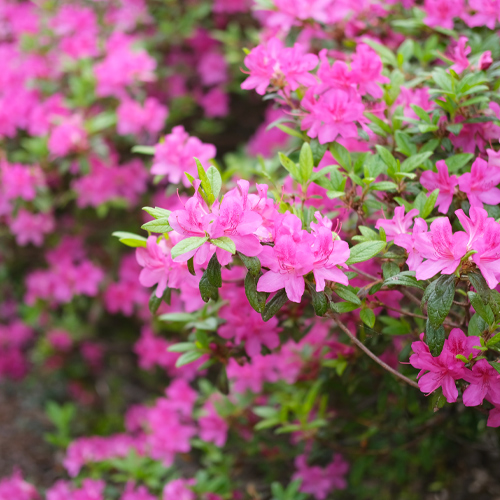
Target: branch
362, 273
367, 351
414, 315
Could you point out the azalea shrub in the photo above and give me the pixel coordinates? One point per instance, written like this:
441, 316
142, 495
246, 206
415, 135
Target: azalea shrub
306, 306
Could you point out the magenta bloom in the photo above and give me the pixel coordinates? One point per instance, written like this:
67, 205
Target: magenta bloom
444, 182
484, 383
328, 254
442, 12
213, 428
175, 154
487, 13
157, 265
134, 118
399, 224
179, 489
459, 55
319, 481
334, 113
459, 343
31, 228
442, 249
443, 370
408, 242
68, 137
367, 71
480, 184
288, 261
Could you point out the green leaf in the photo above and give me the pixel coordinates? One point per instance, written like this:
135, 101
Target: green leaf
251, 263
188, 357
306, 163
188, 245
380, 124
225, 243
344, 293
214, 272
387, 157
157, 212
205, 183
222, 382
440, 300
158, 226
130, 239
319, 300
176, 317
190, 264
386, 54
341, 155
456, 162
406, 278
207, 290
318, 151
144, 150
290, 131
384, 186
415, 161
404, 143
290, 166
256, 299
421, 113
479, 283
274, 305
429, 204
434, 337
367, 317
182, 347
154, 303
215, 180
343, 307
365, 251
481, 308
477, 326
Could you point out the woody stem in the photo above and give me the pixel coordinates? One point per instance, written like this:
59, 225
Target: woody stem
367, 351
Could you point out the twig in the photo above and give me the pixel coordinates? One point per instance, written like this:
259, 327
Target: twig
362, 273
367, 351
414, 315
410, 296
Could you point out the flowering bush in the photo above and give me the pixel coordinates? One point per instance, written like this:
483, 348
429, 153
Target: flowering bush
291, 302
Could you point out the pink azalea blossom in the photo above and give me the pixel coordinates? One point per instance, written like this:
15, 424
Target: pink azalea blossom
213, 428
288, 261
399, 224
485, 61
480, 184
494, 417
68, 137
442, 370
15, 487
175, 154
367, 71
31, 228
134, 118
328, 254
215, 103
442, 12
408, 242
136, 493
459, 343
318, 481
179, 489
459, 55
333, 114
442, 248
484, 383
443, 181
487, 13
212, 69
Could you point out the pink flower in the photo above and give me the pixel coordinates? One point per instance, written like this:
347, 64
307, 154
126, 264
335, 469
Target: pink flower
175, 154
494, 417
21, 181
443, 370
334, 113
31, 228
459, 55
444, 182
459, 343
182, 396
367, 71
68, 137
480, 184
485, 61
15, 487
60, 340
212, 69
319, 481
442, 248
408, 242
328, 254
179, 489
484, 383
487, 13
141, 493
288, 261
418, 96
213, 428
134, 118
399, 224
215, 103
442, 12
